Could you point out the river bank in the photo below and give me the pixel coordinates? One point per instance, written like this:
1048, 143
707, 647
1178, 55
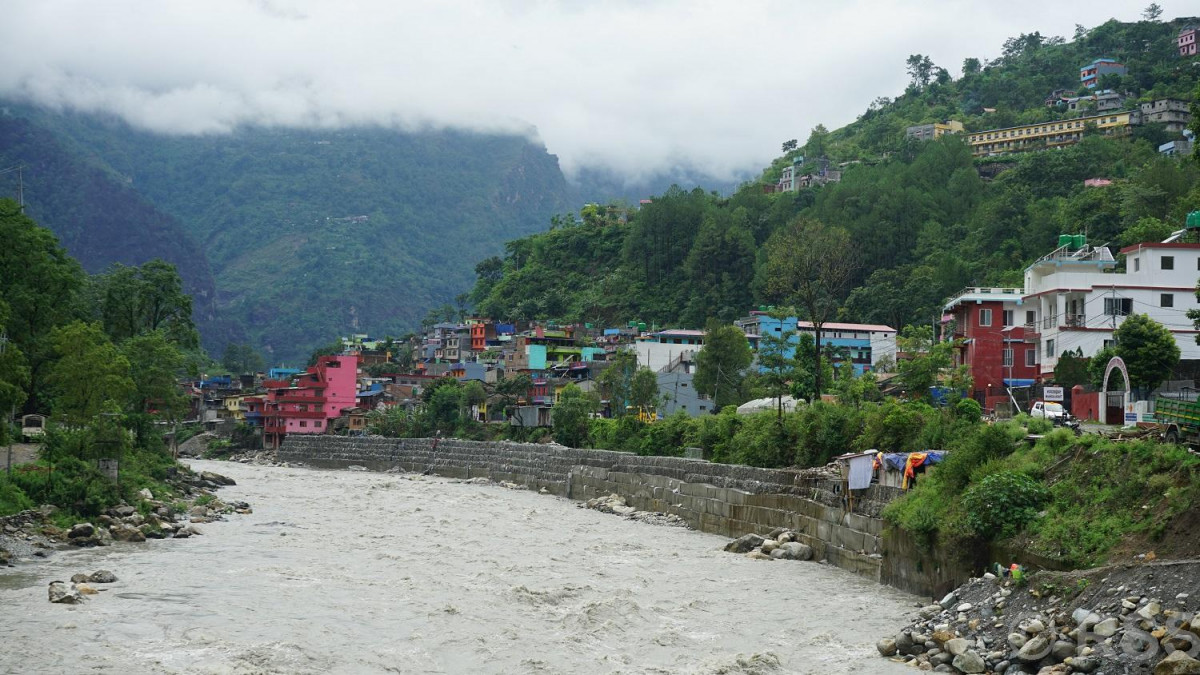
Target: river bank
342, 571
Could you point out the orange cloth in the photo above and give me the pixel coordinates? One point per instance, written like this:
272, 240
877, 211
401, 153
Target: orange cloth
915, 459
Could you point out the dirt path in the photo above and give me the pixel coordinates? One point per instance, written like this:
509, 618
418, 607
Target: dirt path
22, 453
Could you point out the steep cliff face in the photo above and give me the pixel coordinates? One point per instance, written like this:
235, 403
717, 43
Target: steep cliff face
308, 234
100, 219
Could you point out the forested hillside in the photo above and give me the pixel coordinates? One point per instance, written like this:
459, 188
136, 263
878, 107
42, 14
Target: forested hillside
99, 219
923, 220
309, 234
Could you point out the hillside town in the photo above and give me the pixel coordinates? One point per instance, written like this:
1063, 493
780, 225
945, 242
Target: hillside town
1073, 300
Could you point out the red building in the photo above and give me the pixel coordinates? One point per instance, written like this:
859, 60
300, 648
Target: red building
991, 322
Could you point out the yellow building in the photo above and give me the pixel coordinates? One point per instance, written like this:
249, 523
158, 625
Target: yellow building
1048, 134
234, 408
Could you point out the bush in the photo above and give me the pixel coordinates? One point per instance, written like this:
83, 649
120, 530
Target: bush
1002, 503
12, 498
1040, 425
969, 410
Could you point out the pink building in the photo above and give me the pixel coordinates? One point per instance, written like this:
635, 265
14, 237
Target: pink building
1187, 41
310, 402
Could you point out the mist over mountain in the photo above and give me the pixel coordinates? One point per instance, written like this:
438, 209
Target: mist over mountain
308, 233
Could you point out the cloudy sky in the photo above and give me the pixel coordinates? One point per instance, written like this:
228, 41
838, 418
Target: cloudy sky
635, 86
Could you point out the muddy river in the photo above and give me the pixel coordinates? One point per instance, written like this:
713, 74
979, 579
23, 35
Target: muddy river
356, 572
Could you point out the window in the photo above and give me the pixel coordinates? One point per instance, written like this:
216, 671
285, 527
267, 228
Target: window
317, 423
303, 423
1030, 316
1137, 264
1110, 344
1008, 318
1166, 300
1168, 262
1118, 306
985, 317
1049, 349
1031, 357
1008, 357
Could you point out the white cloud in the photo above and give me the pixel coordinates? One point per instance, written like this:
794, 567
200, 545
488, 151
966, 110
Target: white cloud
633, 86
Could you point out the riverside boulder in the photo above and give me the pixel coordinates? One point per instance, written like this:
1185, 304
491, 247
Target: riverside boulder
63, 594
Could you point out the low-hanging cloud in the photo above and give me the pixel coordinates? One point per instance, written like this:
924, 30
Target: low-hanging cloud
636, 87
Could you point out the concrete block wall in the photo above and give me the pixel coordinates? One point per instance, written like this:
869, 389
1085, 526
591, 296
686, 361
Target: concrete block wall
724, 499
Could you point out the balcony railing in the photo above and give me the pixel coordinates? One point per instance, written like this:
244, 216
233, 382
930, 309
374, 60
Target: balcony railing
1032, 333
1076, 320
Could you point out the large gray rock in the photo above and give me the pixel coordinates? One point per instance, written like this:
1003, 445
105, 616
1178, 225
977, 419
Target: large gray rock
794, 550
81, 530
102, 577
1107, 627
65, 594
1035, 650
216, 478
1177, 663
744, 543
886, 647
957, 646
969, 662
126, 533
1061, 650
904, 642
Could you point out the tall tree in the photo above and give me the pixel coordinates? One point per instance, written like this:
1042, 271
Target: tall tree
1148, 349
721, 364
1152, 12
777, 362
143, 299
509, 391
572, 416
14, 374
240, 358
818, 142
643, 390
616, 382
811, 265
39, 283
89, 376
920, 69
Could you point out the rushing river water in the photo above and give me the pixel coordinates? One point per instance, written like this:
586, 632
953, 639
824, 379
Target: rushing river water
354, 572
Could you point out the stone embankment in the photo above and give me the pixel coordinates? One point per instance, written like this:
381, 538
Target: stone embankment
724, 499
1131, 619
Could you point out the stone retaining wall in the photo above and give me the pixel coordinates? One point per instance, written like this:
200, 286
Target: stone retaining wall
725, 499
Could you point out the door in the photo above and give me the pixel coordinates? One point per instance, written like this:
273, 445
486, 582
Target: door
1114, 408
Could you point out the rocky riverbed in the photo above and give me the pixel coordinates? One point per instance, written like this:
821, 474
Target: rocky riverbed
33, 534
1126, 619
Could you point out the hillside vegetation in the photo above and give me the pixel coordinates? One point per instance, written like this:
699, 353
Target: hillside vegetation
923, 221
309, 234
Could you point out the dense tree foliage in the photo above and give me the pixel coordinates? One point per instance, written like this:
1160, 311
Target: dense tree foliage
1148, 349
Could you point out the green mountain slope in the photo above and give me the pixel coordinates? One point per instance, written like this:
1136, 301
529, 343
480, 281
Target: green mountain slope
313, 233
98, 218
924, 220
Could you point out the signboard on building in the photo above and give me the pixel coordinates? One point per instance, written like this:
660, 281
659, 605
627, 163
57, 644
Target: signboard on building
1053, 393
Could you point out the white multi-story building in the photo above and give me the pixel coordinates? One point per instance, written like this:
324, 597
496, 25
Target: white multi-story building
1079, 299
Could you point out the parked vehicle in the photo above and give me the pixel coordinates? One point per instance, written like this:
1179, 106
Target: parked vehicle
1048, 410
1057, 414
1180, 419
